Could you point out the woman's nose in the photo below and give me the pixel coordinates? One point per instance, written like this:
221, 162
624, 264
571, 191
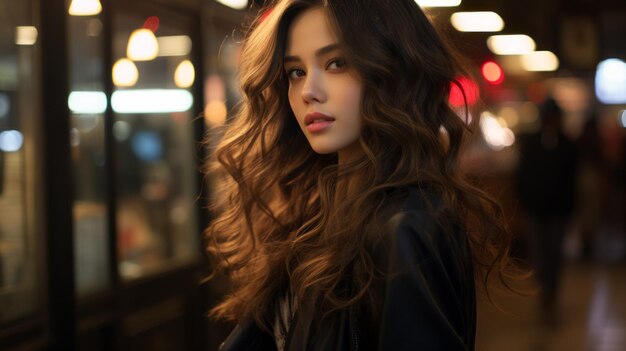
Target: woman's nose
313, 89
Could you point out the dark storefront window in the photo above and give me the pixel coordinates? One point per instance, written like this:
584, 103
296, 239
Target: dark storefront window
19, 195
221, 85
87, 103
156, 165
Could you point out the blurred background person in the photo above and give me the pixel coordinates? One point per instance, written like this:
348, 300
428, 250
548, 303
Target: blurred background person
611, 231
590, 186
546, 185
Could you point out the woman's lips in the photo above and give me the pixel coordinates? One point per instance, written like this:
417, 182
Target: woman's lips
318, 126
316, 122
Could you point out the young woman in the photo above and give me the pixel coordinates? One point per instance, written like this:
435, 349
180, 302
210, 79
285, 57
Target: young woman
342, 219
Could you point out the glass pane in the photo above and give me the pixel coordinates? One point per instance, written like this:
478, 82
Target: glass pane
87, 103
156, 179
221, 86
19, 262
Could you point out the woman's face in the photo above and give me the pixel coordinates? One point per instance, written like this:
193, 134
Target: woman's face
324, 92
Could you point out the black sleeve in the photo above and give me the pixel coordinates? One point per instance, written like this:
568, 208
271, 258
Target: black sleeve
248, 337
429, 301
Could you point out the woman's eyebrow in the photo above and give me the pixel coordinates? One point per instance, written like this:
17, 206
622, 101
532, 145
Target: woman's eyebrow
318, 53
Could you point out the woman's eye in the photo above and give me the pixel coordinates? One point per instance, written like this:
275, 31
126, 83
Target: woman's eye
295, 73
336, 64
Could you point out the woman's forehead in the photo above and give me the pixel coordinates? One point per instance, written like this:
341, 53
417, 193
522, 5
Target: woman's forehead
309, 32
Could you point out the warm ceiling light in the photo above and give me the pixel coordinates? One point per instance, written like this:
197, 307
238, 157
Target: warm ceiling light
516, 44
480, 21
235, 4
540, 61
125, 73
85, 7
184, 74
142, 45
25, 35
438, 3
174, 45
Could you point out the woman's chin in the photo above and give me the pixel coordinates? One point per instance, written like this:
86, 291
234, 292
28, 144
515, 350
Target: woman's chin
323, 149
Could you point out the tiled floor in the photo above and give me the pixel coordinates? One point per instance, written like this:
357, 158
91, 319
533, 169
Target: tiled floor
592, 315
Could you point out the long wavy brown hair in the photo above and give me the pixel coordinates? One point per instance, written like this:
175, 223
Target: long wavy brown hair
282, 213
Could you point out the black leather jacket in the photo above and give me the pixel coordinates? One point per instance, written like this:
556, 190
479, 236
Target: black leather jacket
428, 299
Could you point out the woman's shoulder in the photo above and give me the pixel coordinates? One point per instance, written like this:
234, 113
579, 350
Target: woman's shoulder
428, 278
419, 223
418, 207
417, 236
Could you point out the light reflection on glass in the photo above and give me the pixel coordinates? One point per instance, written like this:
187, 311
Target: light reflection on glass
496, 135
121, 130
125, 73
142, 45
11, 141
235, 4
25, 35
511, 44
184, 74
479, 21
151, 101
611, 81
85, 7
538, 61
174, 45
492, 72
87, 102
74, 137
147, 146
215, 113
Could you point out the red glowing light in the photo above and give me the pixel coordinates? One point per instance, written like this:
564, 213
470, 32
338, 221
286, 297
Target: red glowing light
266, 14
492, 72
456, 95
152, 23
